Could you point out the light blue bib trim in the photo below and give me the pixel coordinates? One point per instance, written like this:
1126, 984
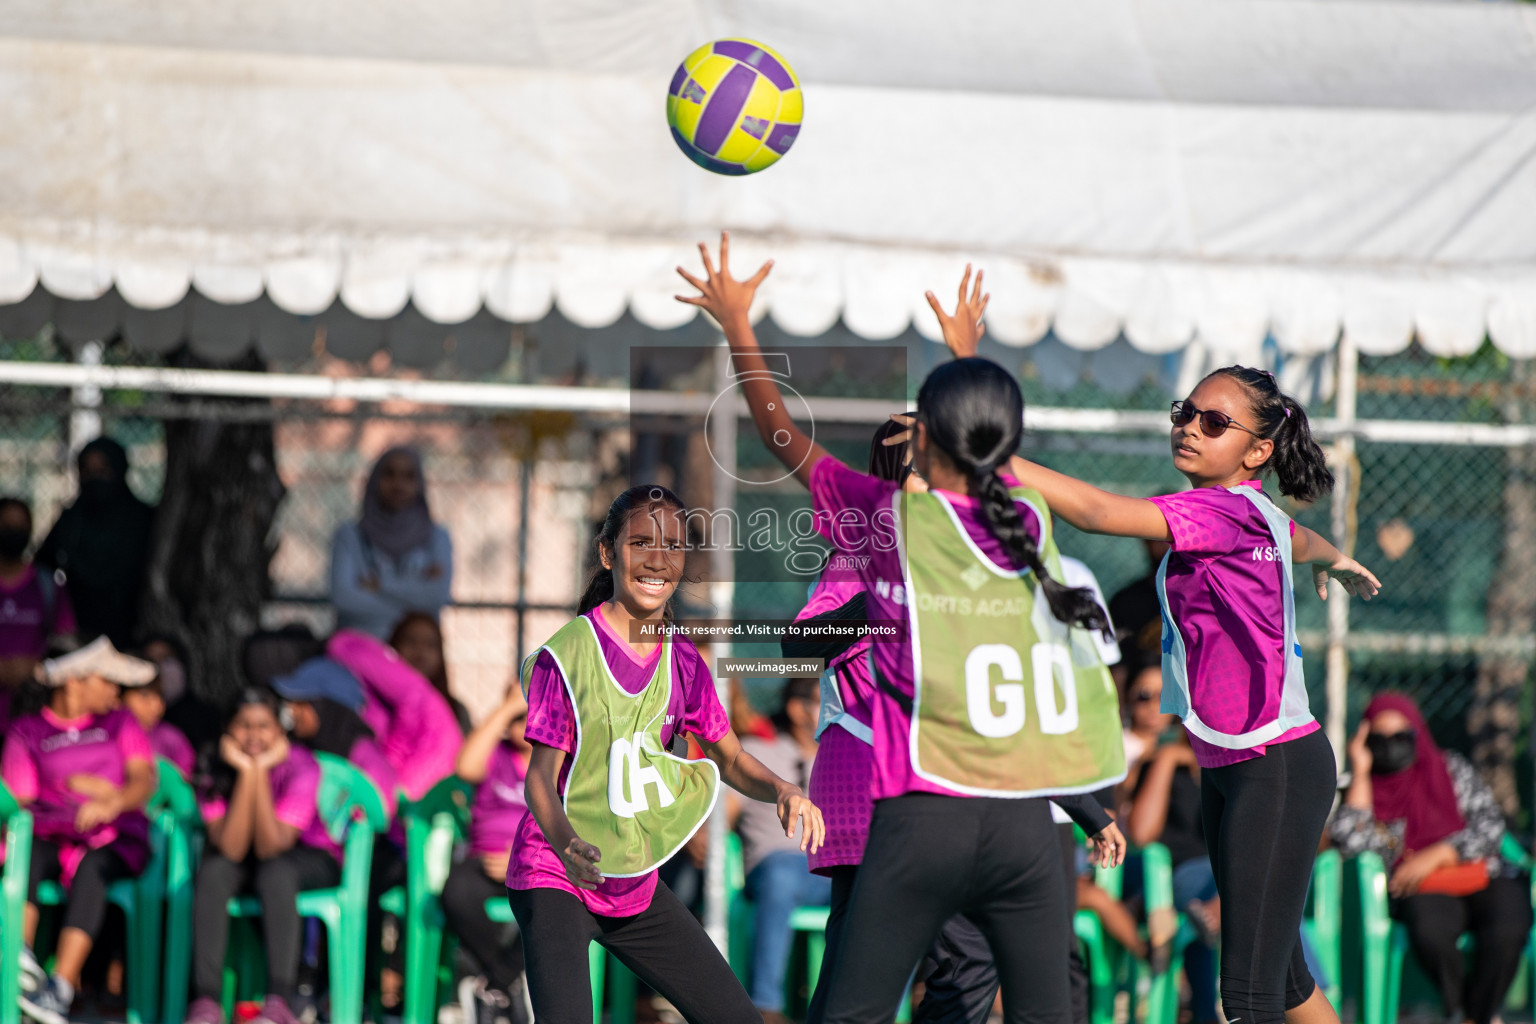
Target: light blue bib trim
1294, 709
833, 711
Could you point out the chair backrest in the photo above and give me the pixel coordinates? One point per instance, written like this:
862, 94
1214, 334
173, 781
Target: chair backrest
173, 793
8, 804
347, 795
433, 825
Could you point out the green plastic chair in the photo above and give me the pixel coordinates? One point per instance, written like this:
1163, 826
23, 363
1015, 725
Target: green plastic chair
500, 911
1111, 968
1324, 921
433, 825
13, 899
142, 899
185, 823
1384, 941
354, 812
809, 921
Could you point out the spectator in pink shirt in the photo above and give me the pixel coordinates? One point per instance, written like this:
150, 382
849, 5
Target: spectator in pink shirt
84, 768
257, 796
34, 608
147, 705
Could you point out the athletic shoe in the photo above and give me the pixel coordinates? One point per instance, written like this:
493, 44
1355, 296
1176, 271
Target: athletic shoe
204, 1011
486, 1005
49, 1004
275, 1011
33, 977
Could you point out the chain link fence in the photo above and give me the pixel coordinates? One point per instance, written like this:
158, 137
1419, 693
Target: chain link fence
1449, 528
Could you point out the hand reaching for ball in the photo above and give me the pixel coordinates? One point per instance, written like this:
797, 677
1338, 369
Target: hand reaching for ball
721, 295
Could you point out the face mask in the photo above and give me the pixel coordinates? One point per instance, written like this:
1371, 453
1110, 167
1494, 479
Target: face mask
1390, 754
13, 543
285, 718
173, 680
97, 491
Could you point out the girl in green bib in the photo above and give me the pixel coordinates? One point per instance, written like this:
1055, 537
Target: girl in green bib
994, 698
608, 802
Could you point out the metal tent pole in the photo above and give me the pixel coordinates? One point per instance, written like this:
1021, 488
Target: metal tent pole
722, 592
1344, 490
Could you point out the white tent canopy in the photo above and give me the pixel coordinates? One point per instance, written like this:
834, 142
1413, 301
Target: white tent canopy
1165, 170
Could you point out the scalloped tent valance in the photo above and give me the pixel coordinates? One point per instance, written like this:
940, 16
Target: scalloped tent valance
1163, 171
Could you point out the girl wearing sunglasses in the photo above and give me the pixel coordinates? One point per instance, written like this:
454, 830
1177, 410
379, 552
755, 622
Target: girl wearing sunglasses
1231, 662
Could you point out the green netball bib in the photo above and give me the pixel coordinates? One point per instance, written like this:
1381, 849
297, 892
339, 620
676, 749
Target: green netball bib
1009, 701
624, 793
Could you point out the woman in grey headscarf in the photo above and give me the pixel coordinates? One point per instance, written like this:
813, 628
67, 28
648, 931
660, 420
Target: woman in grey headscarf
393, 559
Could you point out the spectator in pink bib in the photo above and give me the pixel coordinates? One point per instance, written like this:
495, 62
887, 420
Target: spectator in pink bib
147, 705
34, 610
85, 769
257, 796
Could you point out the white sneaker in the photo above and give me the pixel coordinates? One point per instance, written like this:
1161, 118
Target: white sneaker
33, 977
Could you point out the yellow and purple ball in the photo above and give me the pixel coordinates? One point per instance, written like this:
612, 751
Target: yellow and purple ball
734, 106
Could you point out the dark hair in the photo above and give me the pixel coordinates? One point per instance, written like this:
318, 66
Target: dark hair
439, 679
271, 653
795, 688
10, 501
213, 776
890, 462
1298, 462
974, 413
340, 728
644, 498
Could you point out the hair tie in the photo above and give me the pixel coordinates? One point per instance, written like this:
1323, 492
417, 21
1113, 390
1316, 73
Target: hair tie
1287, 412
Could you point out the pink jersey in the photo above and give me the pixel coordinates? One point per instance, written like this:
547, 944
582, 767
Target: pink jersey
1225, 587
853, 512
169, 742
43, 751
500, 802
694, 710
295, 784
412, 722
32, 610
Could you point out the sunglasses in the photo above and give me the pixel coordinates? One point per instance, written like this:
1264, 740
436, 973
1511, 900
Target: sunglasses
1212, 423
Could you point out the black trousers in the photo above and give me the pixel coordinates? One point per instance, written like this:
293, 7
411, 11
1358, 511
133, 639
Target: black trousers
388, 870
1263, 818
931, 857
464, 894
1499, 919
663, 944
960, 978
276, 882
86, 907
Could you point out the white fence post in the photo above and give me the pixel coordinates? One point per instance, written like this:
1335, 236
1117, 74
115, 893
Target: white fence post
1344, 490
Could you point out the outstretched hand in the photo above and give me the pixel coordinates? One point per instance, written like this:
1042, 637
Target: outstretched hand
721, 295
1356, 579
963, 329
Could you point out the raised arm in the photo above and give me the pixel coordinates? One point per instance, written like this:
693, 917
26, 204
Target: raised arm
729, 301
1090, 508
475, 754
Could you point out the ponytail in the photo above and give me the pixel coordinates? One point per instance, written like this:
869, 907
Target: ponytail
644, 498
1298, 462
974, 413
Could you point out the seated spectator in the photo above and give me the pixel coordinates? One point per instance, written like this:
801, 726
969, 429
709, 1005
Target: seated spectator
1438, 828
393, 559
778, 874
494, 758
320, 702
101, 545
147, 704
413, 723
1141, 711
34, 609
257, 796
418, 639
200, 721
1165, 808
85, 770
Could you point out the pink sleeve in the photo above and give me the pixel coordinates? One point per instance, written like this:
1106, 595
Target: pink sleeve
64, 613
422, 737
703, 716
550, 718
295, 805
849, 505
132, 741
19, 770
1204, 520
213, 808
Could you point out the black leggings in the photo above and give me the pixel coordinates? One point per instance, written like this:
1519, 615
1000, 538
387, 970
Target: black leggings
1499, 918
931, 857
464, 895
86, 906
276, 882
1263, 818
663, 945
